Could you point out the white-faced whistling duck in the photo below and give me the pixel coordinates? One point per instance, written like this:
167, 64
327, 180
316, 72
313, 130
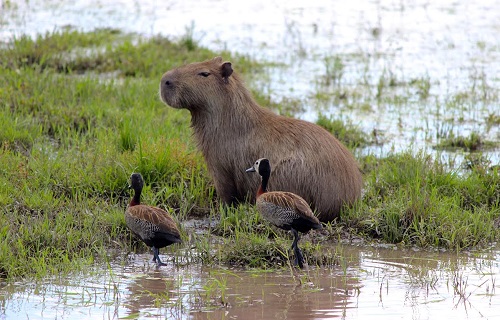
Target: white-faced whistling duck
154, 226
285, 210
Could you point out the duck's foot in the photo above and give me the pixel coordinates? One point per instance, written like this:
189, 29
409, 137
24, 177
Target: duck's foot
156, 257
299, 259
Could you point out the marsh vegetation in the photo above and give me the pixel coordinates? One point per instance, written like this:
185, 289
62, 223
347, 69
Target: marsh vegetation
80, 112
409, 86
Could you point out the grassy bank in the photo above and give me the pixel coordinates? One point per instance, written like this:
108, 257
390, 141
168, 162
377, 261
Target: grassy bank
80, 111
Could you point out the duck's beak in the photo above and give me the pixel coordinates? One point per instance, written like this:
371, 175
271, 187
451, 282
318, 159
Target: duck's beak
251, 169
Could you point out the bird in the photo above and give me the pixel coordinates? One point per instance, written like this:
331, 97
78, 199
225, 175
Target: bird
286, 210
154, 226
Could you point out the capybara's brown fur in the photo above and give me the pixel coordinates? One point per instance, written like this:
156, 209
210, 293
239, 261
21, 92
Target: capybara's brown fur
232, 130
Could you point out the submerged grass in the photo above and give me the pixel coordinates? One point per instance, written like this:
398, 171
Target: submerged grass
80, 112
473, 142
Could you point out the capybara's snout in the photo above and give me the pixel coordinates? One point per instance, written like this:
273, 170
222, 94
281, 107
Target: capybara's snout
167, 88
167, 80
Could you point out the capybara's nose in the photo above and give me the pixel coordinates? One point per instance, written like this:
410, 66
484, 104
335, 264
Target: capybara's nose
167, 82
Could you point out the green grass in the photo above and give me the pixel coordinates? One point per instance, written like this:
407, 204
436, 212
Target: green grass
103, 51
80, 112
72, 141
346, 132
492, 120
415, 200
473, 142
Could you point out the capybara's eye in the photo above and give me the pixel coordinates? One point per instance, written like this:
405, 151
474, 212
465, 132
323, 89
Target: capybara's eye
204, 74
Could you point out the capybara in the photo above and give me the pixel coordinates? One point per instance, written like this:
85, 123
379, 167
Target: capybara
231, 129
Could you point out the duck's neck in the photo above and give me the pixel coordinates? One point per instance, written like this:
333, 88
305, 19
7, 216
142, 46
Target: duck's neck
263, 185
136, 199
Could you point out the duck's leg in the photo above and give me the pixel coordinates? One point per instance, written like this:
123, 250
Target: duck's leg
156, 257
299, 259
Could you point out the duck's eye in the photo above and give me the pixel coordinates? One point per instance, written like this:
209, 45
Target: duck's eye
204, 74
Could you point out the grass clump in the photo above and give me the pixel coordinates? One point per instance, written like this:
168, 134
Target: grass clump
247, 240
492, 120
102, 51
334, 71
347, 133
414, 200
473, 142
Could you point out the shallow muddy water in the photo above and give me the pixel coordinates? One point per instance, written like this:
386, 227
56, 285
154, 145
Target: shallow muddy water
396, 48
380, 283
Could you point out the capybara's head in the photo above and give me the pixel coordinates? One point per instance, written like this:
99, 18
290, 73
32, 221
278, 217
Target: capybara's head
192, 85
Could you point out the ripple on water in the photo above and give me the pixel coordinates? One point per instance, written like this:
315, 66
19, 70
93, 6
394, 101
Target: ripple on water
376, 282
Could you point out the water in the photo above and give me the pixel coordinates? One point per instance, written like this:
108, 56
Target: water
454, 45
380, 283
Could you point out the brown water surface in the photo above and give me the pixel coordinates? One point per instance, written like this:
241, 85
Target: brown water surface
380, 283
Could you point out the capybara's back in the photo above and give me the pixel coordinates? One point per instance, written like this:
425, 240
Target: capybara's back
232, 130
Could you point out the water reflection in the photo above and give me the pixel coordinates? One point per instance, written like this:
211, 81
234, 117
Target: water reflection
379, 283
429, 285
147, 292
284, 295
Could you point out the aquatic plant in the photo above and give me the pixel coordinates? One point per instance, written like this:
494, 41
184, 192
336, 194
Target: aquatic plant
473, 142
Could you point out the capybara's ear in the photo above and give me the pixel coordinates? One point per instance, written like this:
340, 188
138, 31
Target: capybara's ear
226, 70
217, 59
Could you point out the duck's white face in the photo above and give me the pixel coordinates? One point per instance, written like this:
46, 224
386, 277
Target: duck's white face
255, 167
257, 164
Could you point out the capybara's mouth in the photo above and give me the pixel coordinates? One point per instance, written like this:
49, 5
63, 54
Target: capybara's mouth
163, 94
